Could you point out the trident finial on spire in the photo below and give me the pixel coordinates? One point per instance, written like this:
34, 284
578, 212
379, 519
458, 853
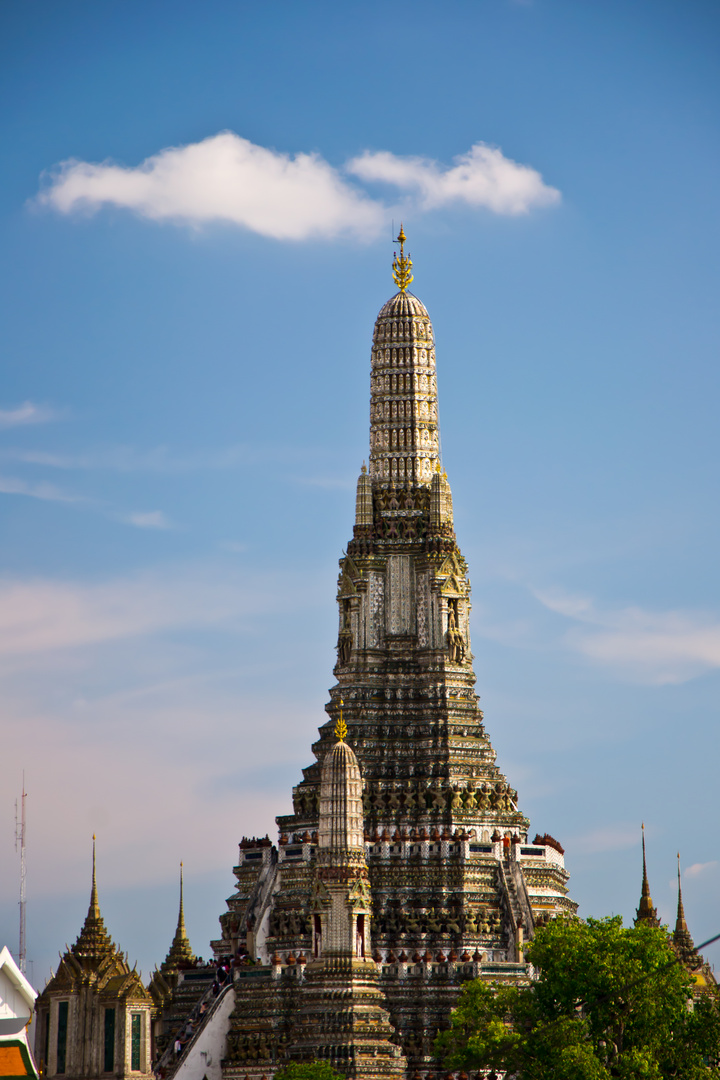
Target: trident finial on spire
341, 726
402, 267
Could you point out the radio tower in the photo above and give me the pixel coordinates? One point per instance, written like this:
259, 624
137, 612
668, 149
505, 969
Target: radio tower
20, 839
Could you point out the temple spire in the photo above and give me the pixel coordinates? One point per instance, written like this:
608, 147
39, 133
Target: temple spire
94, 942
682, 937
646, 913
404, 435
180, 954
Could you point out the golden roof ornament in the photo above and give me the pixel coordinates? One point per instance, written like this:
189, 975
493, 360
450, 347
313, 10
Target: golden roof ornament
402, 267
341, 726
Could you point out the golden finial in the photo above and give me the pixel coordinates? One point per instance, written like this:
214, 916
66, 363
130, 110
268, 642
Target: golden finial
341, 726
402, 267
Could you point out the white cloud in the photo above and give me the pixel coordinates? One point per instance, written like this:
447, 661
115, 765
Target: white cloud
657, 647
27, 413
699, 868
11, 485
483, 177
226, 178
152, 519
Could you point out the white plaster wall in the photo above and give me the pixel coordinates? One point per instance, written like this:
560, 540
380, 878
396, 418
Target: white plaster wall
206, 1053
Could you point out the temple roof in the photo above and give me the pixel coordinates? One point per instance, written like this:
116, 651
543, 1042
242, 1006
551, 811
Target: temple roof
646, 913
94, 944
180, 954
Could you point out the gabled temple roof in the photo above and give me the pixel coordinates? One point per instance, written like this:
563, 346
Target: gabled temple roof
94, 960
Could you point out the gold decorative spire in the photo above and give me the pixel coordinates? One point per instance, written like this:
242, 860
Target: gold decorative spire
646, 913
180, 954
402, 267
341, 726
94, 942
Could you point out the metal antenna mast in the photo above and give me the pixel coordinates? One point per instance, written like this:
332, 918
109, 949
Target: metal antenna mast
20, 839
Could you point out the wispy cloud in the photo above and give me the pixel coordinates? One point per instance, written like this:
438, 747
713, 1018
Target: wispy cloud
330, 482
234, 546
42, 615
152, 672
483, 177
128, 459
152, 519
605, 838
12, 485
27, 413
226, 178
699, 868
647, 646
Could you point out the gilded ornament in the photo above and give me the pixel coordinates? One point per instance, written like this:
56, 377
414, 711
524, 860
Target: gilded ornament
402, 267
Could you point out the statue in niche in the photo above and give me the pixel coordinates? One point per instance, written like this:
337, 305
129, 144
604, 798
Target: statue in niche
470, 800
455, 640
345, 638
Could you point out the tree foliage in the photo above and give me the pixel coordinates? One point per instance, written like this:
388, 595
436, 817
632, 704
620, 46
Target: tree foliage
308, 1070
609, 1002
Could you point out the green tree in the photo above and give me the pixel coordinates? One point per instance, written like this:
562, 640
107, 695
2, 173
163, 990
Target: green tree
609, 1002
308, 1070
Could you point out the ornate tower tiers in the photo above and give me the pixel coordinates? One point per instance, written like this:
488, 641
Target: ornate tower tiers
343, 1009
456, 885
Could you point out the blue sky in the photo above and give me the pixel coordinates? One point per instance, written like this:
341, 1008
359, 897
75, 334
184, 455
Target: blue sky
196, 212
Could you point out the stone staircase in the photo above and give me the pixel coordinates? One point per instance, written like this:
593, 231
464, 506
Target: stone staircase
521, 923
